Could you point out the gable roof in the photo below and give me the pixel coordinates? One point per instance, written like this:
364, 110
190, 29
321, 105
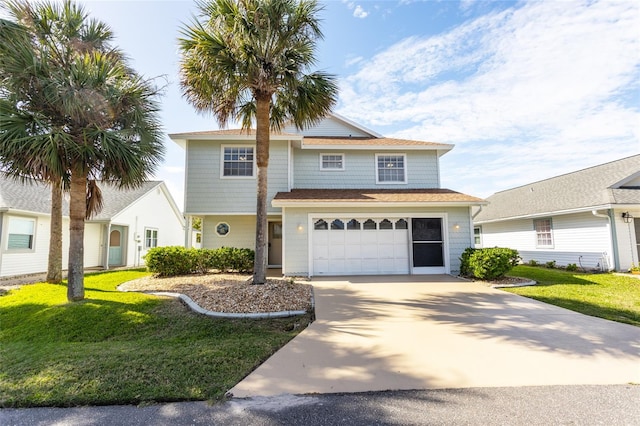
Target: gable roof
35, 196
354, 197
595, 187
333, 132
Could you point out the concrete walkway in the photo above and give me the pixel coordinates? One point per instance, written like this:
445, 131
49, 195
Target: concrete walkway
440, 332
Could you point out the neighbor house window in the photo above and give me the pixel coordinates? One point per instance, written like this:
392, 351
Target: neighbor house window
20, 233
477, 236
331, 161
391, 168
150, 238
237, 161
544, 235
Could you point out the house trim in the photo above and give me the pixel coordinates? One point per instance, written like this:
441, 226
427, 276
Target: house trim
293, 203
553, 213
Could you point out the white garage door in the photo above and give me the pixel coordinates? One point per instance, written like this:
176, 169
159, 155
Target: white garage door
360, 246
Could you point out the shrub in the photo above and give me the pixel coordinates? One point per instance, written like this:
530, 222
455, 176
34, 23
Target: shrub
491, 263
465, 269
169, 261
550, 264
572, 267
533, 263
175, 260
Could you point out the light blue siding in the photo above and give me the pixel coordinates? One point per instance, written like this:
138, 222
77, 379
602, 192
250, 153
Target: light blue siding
206, 192
360, 170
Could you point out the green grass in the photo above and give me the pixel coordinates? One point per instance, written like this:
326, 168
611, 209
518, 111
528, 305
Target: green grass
609, 296
122, 348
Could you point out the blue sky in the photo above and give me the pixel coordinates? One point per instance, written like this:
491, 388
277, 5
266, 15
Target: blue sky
525, 90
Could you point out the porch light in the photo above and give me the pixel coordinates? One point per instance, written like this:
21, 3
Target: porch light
456, 226
300, 227
626, 216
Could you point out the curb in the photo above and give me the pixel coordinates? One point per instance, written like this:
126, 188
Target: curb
254, 315
524, 284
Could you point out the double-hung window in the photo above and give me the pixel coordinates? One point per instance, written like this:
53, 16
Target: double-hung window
391, 168
331, 161
21, 233
544, 234
150, 238
238, 161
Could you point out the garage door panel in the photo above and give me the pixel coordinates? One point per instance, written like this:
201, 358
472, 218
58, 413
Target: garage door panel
360, 247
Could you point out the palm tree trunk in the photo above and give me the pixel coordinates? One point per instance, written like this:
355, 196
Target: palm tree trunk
263, 103
77, 213
54, 268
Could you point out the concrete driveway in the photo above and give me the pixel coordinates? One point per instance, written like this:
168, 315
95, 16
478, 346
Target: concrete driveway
426, 332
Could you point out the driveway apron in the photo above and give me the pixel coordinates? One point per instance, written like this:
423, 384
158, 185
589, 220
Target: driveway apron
428, 332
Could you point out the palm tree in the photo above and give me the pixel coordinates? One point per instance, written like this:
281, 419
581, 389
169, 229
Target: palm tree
71, 108
56, 35
247, 61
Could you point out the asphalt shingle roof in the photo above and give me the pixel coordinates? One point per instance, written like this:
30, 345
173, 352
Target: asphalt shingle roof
591, 187
35, 196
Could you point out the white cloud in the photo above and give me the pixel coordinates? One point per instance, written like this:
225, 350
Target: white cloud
359, 12
527, 93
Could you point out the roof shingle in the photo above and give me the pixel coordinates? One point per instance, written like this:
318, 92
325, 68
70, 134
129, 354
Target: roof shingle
432, 195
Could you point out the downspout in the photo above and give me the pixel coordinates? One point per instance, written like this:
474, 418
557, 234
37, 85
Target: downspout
613, 241
188, 231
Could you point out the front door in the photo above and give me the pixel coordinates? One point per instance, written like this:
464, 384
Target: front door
275, 244
427, 243
116, 240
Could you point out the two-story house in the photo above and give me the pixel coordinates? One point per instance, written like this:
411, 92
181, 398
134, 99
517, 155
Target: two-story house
343, 200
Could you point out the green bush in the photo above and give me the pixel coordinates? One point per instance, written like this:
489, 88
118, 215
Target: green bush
169, 261
465, 269
488, 263
533, 262
572, 267
550, 264
176, 260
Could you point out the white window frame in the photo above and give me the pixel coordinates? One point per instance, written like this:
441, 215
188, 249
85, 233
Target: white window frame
478, 236
253, 167
34, 221
331, 169
538, 233
405, 168
147, 238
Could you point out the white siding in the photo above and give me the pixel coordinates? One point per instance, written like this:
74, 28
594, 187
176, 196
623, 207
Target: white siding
28, 261
154, 211
329, 127
94, 246
626, 239
207, 192
578, 238
360, 170
296, 248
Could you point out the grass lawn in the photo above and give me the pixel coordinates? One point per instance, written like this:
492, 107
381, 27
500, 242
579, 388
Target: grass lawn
609, 296
123, 348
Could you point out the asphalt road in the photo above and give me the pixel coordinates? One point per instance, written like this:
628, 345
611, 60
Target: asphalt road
547, 405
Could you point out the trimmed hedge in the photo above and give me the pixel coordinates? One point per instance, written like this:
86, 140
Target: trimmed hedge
488, 263
176, 260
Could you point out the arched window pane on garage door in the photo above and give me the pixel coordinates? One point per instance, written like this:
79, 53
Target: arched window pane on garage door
369, 224
337, 224
353, 225
386, 224
401, 224
321, 225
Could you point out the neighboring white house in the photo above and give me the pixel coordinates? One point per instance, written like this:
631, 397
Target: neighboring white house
130, 223
343, 200
590, 218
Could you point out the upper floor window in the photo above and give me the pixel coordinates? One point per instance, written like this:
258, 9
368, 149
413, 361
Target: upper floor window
237, 161
331, 161
20, 233
391, 168
544, 235
150, 238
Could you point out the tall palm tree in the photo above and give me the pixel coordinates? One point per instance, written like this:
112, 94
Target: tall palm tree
56, 35
71, 107
248, 61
